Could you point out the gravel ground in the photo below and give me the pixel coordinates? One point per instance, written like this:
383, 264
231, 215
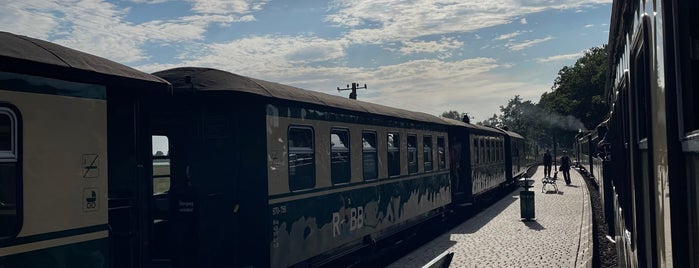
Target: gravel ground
605, 250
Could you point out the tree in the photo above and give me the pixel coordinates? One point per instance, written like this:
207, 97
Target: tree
492, 121
517, 115
579, 89
576, 100
575, 103
453, 114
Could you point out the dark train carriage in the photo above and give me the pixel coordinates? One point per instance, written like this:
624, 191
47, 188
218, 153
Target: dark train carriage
71, 181
280, 176
478, 160
520, 152
653, 132
585, 150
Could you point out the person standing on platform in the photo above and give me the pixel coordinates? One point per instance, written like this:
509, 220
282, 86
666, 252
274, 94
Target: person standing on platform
565, 167
547, 164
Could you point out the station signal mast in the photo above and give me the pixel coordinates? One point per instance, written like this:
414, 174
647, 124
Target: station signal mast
354, 88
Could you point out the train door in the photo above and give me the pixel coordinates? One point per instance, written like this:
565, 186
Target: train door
171, 218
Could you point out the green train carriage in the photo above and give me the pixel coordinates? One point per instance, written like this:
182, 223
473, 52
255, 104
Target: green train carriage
300, 177
56, 171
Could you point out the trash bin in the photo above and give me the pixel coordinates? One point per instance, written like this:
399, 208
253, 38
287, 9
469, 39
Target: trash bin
526, 202
526, 199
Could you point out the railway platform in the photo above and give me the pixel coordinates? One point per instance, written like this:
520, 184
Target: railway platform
559, 236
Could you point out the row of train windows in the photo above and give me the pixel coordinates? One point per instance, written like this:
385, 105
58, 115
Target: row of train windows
302, 166
487, 150
9, 219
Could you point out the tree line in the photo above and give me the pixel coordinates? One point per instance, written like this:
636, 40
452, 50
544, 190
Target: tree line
575, 103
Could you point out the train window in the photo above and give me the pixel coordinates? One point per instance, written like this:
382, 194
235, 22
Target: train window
427, 152
494, 143
481, 150
9, 174
475, 151
442, 154
161, 164
7, 135
488, 151
393, 154
370, 157
689, 91
302, 166
641, 89
497, 150
340, 156
501, 150
412, 154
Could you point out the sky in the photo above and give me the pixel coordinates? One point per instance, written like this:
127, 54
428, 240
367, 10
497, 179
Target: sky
430, 56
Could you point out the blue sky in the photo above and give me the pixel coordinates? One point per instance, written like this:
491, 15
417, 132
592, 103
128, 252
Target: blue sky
424, 55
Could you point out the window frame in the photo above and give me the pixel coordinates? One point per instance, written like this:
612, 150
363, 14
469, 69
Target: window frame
299, 149
374, 153
391, 170
165, 156
13, 156
412, 151
442, 165
427, 154
347, 151
476, 156
10, 155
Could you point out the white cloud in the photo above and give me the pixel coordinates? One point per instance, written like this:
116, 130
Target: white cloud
149, 1
527, 44
226, 6
509, 35
38, 24
265, 54
469, 85
441, 46
99, 27
523, 21
563, 57
379, 21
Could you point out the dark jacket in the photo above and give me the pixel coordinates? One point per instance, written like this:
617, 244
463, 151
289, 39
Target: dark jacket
547, 159
565, 162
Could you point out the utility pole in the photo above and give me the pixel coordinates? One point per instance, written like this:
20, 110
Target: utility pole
354, 88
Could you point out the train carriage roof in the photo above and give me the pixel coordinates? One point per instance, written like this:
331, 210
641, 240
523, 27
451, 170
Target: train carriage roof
208, 79
26, 55
455, 122
513, 134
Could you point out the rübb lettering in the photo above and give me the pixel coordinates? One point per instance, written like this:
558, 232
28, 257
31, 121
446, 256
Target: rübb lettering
352, 220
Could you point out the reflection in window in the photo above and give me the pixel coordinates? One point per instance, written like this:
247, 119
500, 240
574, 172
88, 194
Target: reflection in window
393, 154
412, 154
339, 156
369, 156
442, 153
161, 164
9, 219
427, 152
301, 158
